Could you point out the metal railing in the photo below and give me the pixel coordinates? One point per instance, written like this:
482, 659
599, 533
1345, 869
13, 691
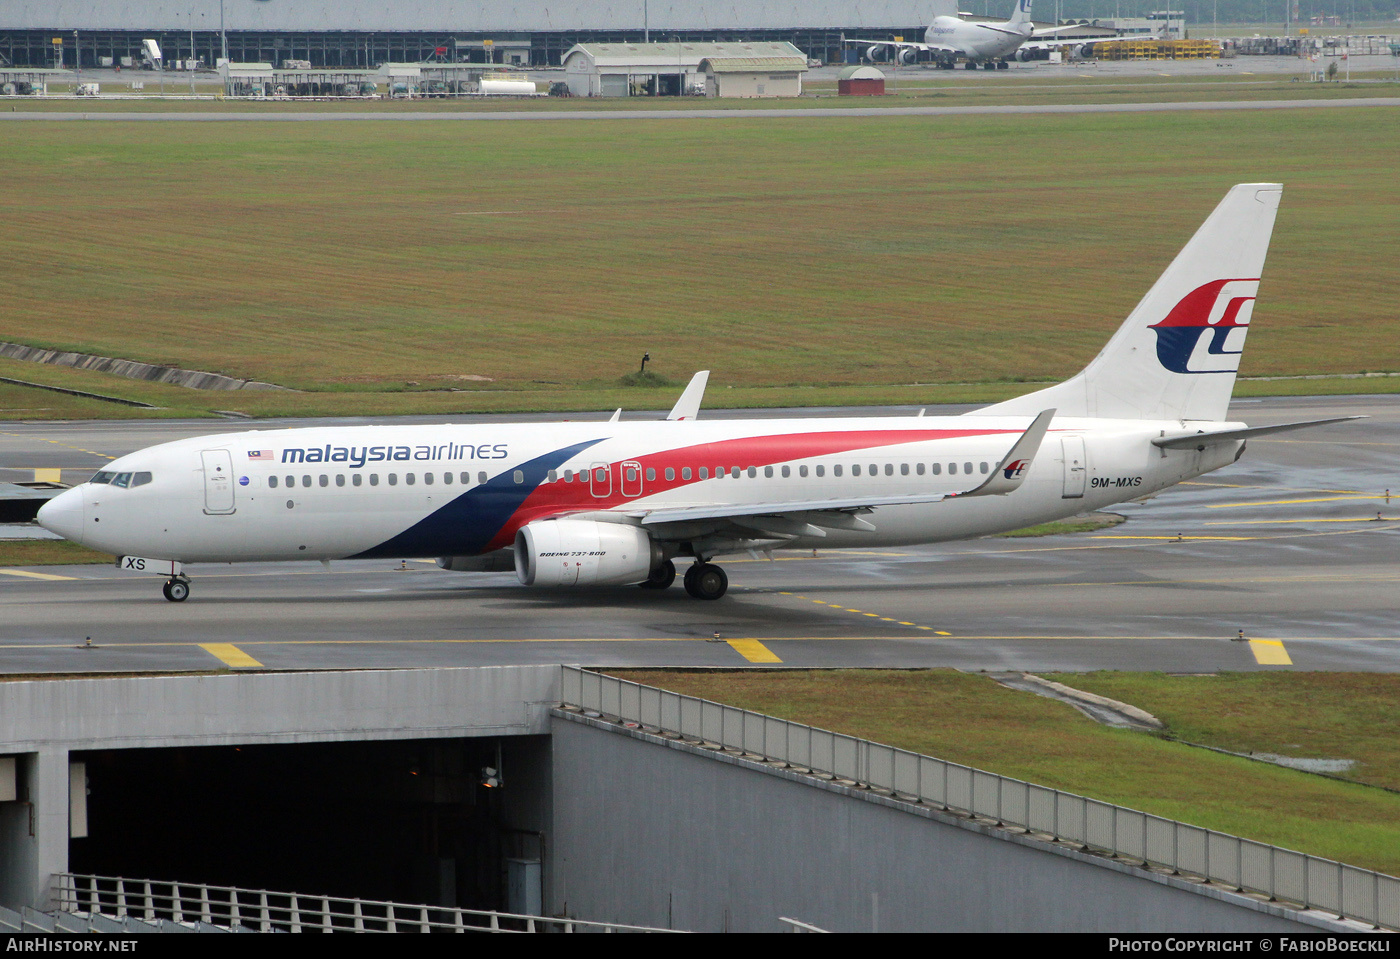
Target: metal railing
1253, 867
262, 911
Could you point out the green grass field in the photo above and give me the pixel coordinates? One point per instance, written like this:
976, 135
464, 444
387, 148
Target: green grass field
48, 552
378, 267
972, 720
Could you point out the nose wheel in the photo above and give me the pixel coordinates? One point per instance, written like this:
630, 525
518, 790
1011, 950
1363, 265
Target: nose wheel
706, 581
176, 589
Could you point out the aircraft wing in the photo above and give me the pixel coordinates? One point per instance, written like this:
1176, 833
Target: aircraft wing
898, 45
809, 517
1202, 439
1051, 31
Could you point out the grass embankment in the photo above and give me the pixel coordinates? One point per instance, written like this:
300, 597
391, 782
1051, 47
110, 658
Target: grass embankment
48, 552
972, 720
1352, 716
806, 261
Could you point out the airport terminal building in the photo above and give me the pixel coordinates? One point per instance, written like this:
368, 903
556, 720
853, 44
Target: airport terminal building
364, 34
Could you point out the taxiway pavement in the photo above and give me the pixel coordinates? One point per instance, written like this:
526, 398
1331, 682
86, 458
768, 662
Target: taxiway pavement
1297, 545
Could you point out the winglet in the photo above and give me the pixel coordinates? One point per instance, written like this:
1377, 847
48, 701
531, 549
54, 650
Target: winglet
688, 406
1012, 469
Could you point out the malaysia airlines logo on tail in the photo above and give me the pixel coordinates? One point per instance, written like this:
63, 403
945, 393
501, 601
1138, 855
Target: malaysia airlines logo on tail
1015, 469
1205, 331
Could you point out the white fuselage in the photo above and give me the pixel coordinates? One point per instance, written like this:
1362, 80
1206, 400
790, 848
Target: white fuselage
977, 41
462, 490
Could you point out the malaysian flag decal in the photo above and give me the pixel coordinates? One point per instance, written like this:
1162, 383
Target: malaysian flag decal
260, 455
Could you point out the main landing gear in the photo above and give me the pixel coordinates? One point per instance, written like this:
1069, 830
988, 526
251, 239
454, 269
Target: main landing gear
706, 581
177, 588
702, 580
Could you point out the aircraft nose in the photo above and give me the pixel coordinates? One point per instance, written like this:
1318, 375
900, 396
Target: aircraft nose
64, 515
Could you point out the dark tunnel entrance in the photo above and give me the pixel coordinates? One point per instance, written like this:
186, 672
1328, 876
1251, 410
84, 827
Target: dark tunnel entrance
405, 821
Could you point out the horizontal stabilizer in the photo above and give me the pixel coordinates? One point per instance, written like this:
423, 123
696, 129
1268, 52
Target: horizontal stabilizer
1192, 441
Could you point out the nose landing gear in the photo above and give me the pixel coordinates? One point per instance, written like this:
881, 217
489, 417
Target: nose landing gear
177, 588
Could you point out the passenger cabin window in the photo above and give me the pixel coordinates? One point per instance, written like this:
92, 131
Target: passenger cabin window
272, 482
427, 479
373, 479
983, 467
904, 469
651, 474
855, 470
685, 473
410, 478
519, 477
306, 479
357, 479
481, 477
339, 479
801, 471
936, 468
704, 472
393, 479
967, 468
835, 470
787, 471
325, 480
821, 471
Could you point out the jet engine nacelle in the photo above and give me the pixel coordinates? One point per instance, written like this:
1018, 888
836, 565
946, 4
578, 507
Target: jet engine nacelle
577, 552
496, 561
908, 56
875, 53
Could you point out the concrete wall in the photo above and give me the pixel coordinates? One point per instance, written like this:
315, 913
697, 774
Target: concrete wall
653, 832
42, 721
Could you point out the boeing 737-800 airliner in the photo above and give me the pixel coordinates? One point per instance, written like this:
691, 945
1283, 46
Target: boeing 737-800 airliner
598, 504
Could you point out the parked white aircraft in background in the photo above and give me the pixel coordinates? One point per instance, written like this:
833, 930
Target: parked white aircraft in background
979, 41
597, 504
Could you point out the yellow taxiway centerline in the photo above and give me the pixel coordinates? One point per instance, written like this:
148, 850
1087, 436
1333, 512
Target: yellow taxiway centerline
1290, 502
30, 575
229, 655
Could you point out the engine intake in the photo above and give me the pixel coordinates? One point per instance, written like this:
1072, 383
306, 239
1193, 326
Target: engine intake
576, 552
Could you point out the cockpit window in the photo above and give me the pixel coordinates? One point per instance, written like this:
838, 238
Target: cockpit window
121, 480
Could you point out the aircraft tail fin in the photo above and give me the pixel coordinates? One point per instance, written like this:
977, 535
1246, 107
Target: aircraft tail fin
1022, 13
1176, 355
